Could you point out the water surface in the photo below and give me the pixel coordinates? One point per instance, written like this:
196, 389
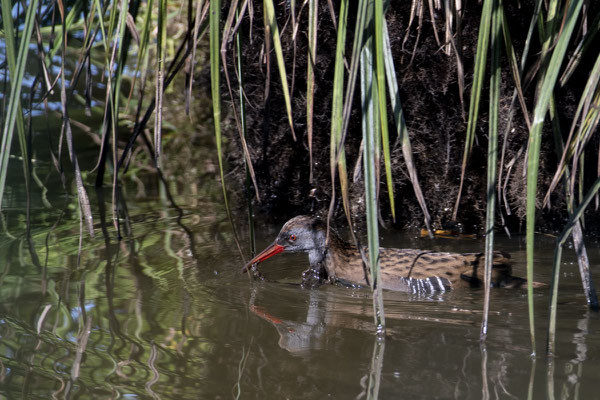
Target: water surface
164, 313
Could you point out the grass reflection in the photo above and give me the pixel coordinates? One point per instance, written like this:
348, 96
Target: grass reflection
163, 312
98, 321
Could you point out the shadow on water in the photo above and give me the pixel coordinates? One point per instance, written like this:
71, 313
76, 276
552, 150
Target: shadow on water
164, 313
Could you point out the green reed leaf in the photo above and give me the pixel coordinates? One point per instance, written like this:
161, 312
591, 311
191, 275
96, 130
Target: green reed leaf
17, 62
546, 88
70, 22
401, 129
337, 153
313, 12
215, 32
492, 157
370, 128
581, 127
227, 31
161, 38
146, 29
582, 48
381, 90
478, 77
514, 65
577, 235
248, 180
269, 14
575, 216
215, 81
357, 45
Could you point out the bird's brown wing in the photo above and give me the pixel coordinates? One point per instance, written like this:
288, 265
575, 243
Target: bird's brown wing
454, 269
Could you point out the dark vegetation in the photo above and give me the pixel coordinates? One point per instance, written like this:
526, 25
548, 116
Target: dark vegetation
435, 116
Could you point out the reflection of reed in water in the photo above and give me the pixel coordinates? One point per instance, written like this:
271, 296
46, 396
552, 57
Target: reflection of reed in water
574, 368
426, 344
96, 340
131, 318
332, 309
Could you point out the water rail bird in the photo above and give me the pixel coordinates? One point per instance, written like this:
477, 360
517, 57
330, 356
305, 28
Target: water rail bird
401, 269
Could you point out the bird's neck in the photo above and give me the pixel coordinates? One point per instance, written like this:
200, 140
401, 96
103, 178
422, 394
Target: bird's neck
316, 256
333, 255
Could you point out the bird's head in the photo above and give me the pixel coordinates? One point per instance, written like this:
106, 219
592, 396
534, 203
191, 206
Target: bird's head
301, 233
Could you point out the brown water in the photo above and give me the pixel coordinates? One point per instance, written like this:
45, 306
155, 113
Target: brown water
165, 314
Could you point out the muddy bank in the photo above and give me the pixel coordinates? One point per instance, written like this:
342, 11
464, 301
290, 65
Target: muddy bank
435, 116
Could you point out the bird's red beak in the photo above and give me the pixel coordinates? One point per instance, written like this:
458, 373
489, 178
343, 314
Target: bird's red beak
270, 251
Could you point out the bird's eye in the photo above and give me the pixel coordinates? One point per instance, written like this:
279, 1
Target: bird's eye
293, 238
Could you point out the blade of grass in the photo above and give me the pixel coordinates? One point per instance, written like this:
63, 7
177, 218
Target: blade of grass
569, 187
508, 128
434, 26
533, 158
455, 44
420, 13
514, 66
313, 12
337, 153
269, 14
41, 53
67, 25
102, 154
401, 129
581, 49
89, 35
415, 9
370, 129
240, 77
492, 158
215, 31
246, 7
478, 77
376, 369
581, 180
82, 197
112, 21
115, 100
352, 74
576, 135
215, 69
28, 168
576, 216
578, 242
161, 38
414, 6
17, 64
103, 34
381, 90
347, 106
194, 42
142, 53
295, 25
233, 10
26, 146
175, 66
